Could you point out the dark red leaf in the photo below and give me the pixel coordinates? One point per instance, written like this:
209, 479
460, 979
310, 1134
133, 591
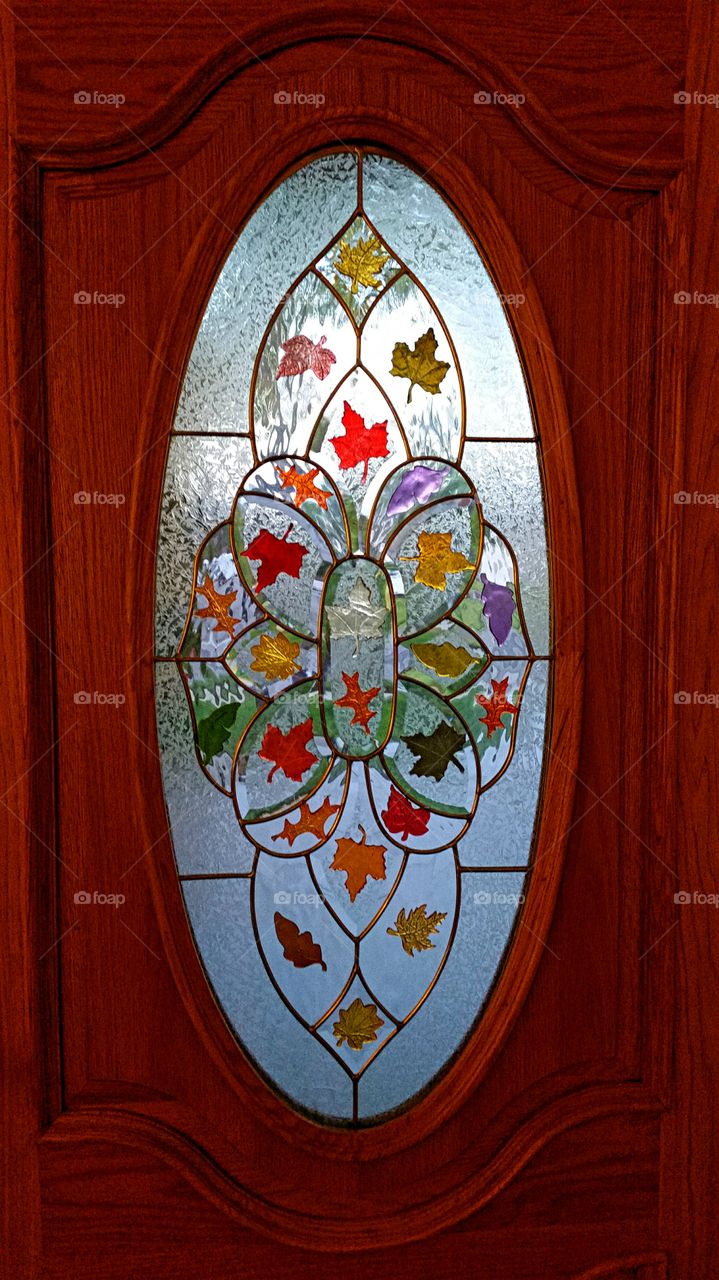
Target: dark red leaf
403, 817
276, 556
288, 751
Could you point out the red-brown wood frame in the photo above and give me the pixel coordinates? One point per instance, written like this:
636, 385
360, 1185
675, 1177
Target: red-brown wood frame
622, 1109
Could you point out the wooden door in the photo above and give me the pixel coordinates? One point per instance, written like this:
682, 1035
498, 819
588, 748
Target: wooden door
561, 1140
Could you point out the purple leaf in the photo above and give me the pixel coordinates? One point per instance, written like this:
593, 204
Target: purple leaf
498, 608
415, 487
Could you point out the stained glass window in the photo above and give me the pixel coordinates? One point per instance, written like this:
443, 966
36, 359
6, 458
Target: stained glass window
352, 633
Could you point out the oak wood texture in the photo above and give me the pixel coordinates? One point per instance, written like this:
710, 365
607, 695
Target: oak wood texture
541, 1153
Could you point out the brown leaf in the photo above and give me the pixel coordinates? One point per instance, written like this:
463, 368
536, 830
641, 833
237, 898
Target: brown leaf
299, 948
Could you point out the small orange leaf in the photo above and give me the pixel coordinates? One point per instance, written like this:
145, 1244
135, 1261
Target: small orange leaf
310, 822
304, 486
359, 861
496, 706
358, 700
218, 606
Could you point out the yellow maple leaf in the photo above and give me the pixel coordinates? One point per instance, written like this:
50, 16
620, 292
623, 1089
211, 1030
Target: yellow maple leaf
414, 929
275, 657
358, 1025
362, 262
437, 559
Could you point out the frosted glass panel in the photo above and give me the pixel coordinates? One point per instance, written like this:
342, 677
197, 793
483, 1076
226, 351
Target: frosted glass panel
353, 638
292, 225
425, 233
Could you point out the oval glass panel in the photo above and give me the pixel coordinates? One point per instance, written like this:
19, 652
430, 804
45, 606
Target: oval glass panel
352, 629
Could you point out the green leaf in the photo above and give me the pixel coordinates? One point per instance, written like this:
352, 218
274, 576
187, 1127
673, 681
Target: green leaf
420, 364
215, 730
435, 750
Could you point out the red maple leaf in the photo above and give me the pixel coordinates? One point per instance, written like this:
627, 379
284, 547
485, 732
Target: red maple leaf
360, 443
276, 556
496, 706
302, 353
402, 816
358, 700
288, 751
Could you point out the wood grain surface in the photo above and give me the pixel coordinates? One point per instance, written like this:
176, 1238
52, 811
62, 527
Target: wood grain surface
572, 1137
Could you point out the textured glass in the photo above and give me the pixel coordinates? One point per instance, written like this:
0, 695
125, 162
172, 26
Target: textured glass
424, 232
201, 479
509, 487
292, 225
355, 596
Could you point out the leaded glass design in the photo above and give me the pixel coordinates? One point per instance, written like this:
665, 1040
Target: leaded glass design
352, 673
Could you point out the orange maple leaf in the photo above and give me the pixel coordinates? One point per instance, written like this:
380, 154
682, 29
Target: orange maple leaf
358, 700
304, 486
218, 606
288, 751
310, 822
359, 861
496, 706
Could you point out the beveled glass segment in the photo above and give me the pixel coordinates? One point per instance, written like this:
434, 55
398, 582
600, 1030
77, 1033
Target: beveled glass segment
353, 635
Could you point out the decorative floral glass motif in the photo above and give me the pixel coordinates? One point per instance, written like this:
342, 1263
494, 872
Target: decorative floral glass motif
356, 660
